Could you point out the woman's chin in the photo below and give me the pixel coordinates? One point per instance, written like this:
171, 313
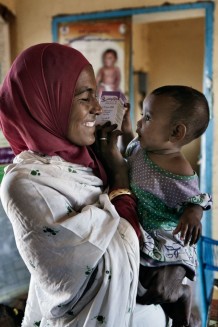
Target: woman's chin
90, 140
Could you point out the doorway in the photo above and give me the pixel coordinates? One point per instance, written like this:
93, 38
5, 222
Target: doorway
169, 52
155, 21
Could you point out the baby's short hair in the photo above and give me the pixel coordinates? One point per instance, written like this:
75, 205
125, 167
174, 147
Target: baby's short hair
110, 50
191, 108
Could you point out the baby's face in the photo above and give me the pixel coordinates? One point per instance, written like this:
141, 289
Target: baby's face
109, 59
154, 128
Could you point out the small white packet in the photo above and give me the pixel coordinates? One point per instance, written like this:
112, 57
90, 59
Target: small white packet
112, 103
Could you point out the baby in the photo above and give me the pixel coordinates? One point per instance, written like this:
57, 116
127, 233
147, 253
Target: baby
108, 76
165, 184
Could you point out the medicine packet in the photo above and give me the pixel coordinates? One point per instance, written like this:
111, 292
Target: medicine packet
112, 103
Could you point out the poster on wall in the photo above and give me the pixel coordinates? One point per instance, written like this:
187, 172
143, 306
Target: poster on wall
106, 44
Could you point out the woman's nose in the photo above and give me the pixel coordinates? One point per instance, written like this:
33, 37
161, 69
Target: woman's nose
96, 108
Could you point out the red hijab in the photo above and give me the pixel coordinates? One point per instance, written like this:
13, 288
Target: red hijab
36, 99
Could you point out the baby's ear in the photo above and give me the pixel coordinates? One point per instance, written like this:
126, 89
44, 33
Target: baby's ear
178, 133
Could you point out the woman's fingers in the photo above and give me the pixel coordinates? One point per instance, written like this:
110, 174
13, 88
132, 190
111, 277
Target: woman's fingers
106, 134
114, 137
107, 140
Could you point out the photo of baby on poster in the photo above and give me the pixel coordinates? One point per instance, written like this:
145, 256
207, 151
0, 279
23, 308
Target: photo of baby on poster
106, 45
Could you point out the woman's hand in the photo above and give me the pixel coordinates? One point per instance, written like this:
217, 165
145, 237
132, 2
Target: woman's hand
190, 224
111, 156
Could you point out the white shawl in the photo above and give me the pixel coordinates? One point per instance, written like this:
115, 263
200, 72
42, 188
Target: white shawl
66, 230
83, 258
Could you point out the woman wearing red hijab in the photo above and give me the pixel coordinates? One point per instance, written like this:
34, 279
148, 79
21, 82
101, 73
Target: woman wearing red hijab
82, 256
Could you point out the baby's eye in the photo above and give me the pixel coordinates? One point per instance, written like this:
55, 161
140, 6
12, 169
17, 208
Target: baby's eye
147, 118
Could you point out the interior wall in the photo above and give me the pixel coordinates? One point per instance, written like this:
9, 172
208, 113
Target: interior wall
177, 52
172, 52
34, 17
141, 63
140, 47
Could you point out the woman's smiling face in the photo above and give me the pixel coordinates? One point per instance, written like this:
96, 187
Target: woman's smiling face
85, 107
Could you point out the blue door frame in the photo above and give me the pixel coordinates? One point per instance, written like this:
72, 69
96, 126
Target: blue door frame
207, 139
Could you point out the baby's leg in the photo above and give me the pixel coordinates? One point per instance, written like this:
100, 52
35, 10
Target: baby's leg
195, 319
162, 283
164, 286
180, 310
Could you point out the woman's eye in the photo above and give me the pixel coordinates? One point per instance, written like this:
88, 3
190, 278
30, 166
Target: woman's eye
89, 98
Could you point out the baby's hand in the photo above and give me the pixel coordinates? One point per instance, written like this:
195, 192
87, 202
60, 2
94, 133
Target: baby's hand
190, 225
126, 124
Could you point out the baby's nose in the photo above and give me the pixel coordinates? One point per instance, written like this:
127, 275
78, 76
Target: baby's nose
138, 123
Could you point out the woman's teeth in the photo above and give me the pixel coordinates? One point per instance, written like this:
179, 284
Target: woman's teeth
89, 123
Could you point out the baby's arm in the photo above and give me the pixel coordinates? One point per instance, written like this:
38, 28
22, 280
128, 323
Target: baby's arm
190, 221
190, 224
126, 128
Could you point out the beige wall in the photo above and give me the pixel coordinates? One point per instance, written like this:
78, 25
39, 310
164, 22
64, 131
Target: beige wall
34, 17
140, 51
177, 52
33, 25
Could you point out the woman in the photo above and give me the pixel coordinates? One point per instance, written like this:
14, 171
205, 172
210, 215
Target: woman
82, 256
67, 231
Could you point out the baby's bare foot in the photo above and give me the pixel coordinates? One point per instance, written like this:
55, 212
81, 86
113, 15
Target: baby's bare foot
180, 311
195, 320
